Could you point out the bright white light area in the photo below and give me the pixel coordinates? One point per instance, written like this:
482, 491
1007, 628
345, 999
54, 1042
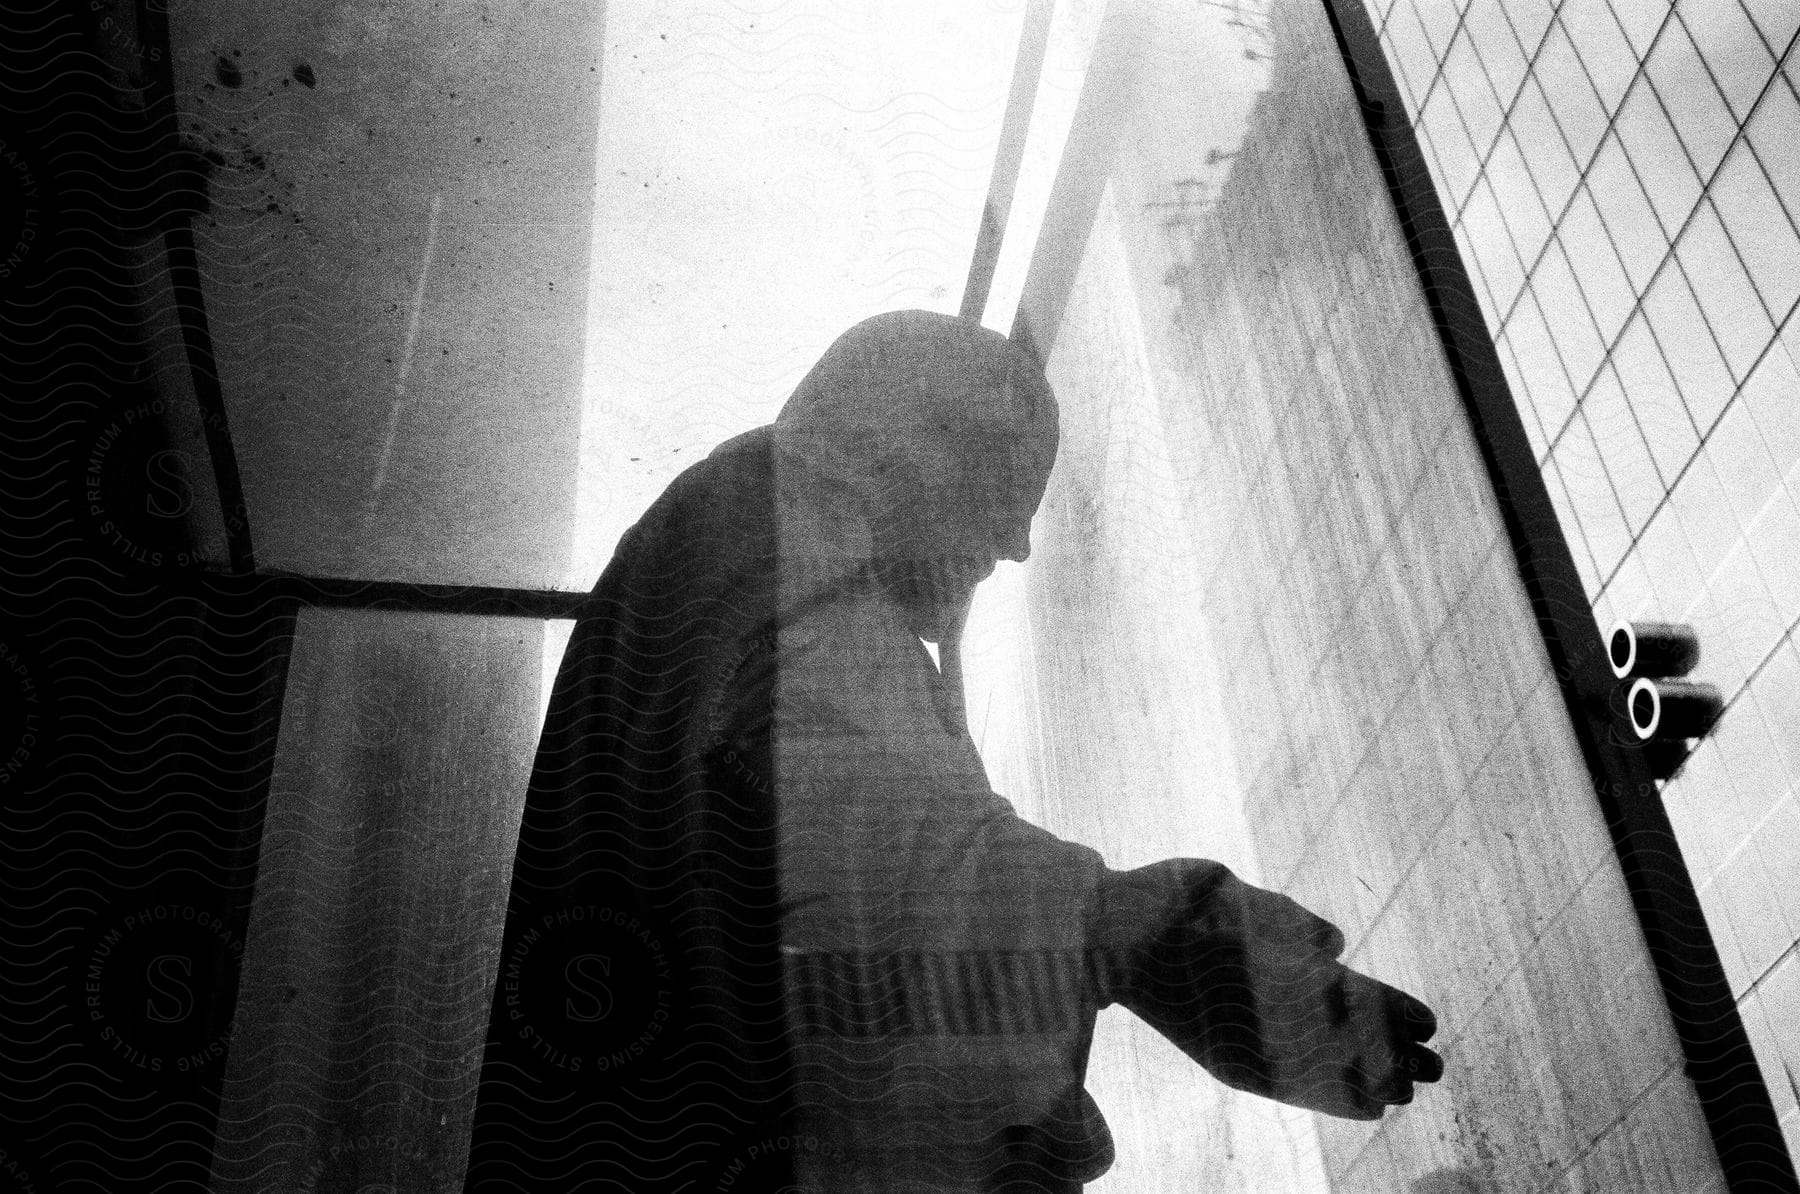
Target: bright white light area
997, 680
1074, 27
768, 174
1101, 650
556, 641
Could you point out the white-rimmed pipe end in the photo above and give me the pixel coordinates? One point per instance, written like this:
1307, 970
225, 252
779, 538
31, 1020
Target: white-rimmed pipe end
1672, 709
1621, 649
1653, 649
1645, 706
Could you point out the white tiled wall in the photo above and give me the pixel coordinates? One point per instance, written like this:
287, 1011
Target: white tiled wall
1624, 182
1348, 559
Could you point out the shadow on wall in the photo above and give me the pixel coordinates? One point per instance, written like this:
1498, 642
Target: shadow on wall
1453, 1181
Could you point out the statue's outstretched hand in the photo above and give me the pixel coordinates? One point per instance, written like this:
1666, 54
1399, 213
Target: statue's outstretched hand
1247, 983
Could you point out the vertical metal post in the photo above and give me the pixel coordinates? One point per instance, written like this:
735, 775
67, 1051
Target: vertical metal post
1009, 155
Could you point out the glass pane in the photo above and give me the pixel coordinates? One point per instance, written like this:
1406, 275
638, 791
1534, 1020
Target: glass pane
749, 210
1452, 154
1601, 46
1723, 290
1596, 266
1641, 22
1701, 117
1651, 391
1773, 127
1541, 141
1485, 24
1410, 50
1777, 20
405, 749
1565, 309
1621, 443
1521, 205
1664, 169
1687, 344
1760, 228
1578, 110
1636, 235
1474, 97
1547, 385
1493, 248
1732, 48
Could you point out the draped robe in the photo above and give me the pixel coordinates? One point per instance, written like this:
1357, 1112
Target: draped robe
769, 925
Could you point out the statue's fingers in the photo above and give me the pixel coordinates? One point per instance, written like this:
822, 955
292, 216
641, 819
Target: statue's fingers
1392, 1086
1410, 1065
1372, 1096
1408, 1019
1422, 1064
1328, 939
1421, 1022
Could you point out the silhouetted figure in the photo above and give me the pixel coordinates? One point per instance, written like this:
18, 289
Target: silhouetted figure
770, 925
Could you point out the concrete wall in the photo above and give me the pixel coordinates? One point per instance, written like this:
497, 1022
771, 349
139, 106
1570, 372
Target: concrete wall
1405, 761
1122, 741
1625, 187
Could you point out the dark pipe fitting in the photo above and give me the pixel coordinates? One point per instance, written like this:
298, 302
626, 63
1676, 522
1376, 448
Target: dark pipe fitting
1666, 757
1669, 710
1653, 649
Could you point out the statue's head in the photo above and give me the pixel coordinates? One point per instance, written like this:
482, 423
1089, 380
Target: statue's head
949, 431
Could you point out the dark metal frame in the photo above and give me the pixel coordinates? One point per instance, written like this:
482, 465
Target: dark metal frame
398, 596
1009, 155
1719, 1059
184, 275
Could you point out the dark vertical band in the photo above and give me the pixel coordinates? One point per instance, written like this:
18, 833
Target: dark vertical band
1107, 96
1009, 156
184, 278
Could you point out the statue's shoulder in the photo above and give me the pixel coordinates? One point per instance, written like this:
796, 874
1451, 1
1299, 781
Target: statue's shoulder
718, 511
738, 471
